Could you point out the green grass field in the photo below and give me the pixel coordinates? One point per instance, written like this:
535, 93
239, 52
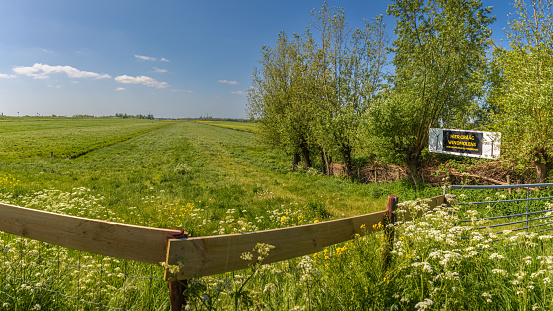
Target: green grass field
65, 137
178, 163
247, 127
213, 180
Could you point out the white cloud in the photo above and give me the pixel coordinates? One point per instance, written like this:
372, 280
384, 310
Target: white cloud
241, 93
228, 82
148, 58
6, 76
141, 80
120, 89
145, 57
183, 91
159, 70
47, 51
41, 71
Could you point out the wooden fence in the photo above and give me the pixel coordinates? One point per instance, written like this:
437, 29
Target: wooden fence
203, 255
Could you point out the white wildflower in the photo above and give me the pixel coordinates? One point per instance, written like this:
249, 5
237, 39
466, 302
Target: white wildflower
423, 305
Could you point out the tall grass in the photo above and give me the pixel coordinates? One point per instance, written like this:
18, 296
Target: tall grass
437, 263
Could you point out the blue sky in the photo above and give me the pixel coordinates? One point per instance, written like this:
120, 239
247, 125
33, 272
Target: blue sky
173, 58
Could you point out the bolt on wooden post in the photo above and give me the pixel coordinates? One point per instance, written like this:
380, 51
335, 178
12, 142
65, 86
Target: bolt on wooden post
389, 219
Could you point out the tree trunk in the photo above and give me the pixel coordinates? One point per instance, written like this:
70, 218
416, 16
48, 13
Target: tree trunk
346, 156
330, 170
323, 165
413, 165
541, 170
324, 162
295, 161
305, 154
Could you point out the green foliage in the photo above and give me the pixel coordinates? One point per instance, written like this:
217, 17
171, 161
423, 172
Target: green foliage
440, 58
523, 101
318, 209
309, 95
376, 192
279, 97
349, 65
130, 116
388, 128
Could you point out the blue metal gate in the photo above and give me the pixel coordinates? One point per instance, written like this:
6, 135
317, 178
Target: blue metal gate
532, 218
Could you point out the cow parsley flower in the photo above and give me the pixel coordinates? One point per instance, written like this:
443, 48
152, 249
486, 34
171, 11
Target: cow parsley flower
423, 305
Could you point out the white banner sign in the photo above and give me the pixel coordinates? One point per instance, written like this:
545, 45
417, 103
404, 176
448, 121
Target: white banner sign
465, 143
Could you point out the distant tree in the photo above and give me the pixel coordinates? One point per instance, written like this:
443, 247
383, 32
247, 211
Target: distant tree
524, 98
439, 60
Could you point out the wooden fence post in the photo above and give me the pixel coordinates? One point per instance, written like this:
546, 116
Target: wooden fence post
176, 294
390, 219
177, 287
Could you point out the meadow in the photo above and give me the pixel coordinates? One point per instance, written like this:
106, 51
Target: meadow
210, 180
64, 137
247, 127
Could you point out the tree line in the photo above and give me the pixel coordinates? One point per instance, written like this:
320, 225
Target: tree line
328, 92
130, 116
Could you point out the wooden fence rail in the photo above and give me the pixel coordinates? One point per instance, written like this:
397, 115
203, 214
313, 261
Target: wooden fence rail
203, 256
218, 254
130, 242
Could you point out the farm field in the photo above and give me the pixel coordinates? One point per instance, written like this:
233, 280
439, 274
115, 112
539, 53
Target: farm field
211, 180
207, 179
65, 137
177, 163
247, 127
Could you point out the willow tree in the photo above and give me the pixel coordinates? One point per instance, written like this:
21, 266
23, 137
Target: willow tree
524, 102
310, 94
439, 55
349, 64
278, 97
